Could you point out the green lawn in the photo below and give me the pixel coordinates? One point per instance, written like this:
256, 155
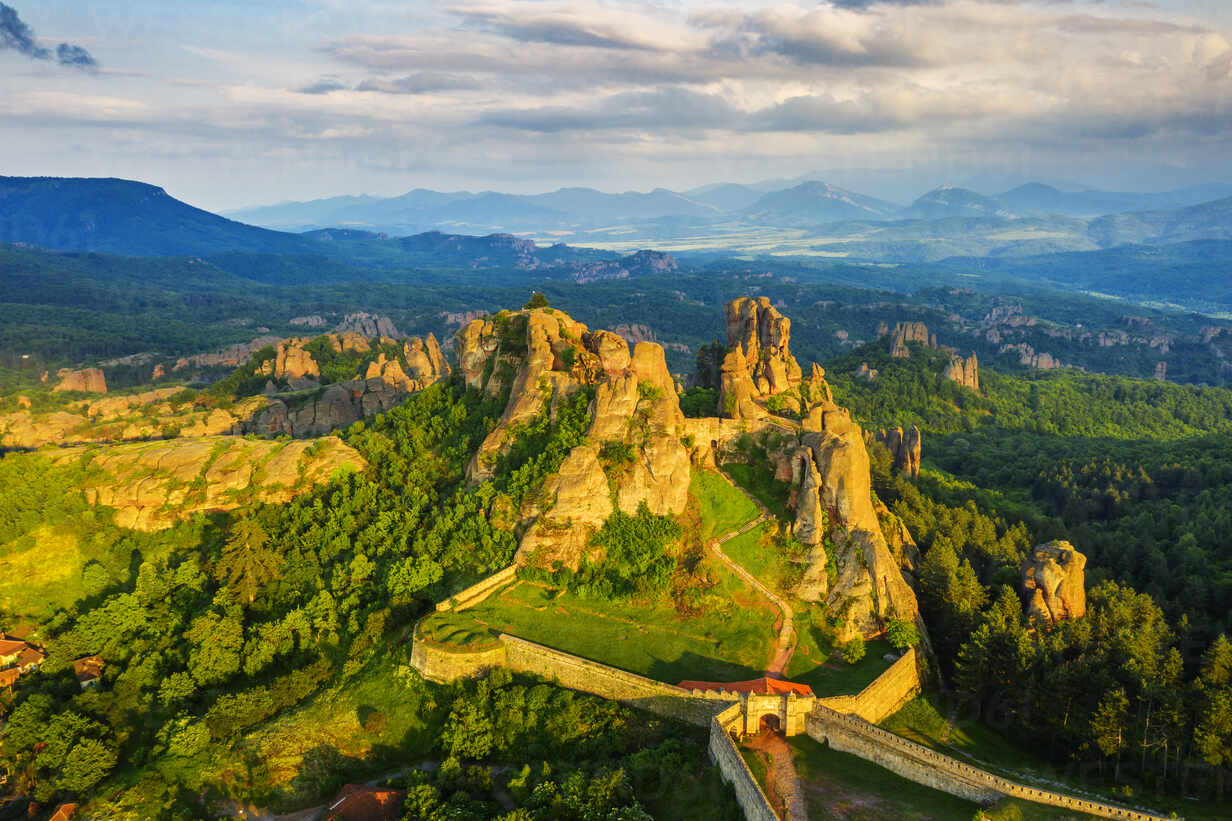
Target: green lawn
758, 479
842, 786
731, 641
835, 677
923, 720
723, 508
759, 559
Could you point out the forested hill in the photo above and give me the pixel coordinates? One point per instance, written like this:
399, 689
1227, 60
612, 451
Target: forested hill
1134, 472
1065, 402
124, 217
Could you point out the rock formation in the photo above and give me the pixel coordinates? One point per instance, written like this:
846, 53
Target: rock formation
965, 372
758, 362
863, 582
905, 447
232, 356
86, 380
1027, 356
367, 325
1053, 583
152, 485
905, 332
542, 356
865, 372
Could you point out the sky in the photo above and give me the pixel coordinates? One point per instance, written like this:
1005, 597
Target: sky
233, 103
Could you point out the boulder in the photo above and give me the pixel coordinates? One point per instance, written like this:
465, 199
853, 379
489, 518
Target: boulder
1054, 583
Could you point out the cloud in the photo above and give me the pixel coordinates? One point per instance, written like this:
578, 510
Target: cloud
422, 82
671, 108
15, 35
323, 86
578, 24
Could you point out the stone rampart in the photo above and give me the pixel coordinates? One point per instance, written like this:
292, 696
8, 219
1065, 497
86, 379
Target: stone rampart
888, 692
735, 771
443, 663
578, 673
915, 762
479, 591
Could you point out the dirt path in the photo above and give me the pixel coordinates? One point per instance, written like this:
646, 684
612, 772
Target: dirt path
782, 784
785, 646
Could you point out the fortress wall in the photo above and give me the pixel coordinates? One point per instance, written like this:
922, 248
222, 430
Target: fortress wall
735, 771
440, 663
886, 695
591, 677
479, 591
915, 762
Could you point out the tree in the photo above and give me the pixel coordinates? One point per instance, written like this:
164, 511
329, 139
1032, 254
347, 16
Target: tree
854, 650
86, 764
246, 562
902, 634
1108, 726
1213, 734
537, 300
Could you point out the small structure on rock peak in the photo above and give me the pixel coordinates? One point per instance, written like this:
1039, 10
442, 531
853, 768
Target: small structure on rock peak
1054, 583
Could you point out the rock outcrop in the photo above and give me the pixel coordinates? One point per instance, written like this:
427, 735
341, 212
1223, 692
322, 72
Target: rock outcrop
152, 485
862, 581
1028, 356
1054, 583
86, 380
758, 362
905, 447
905, 332
367, 325
232, 356
965, 372
543, 357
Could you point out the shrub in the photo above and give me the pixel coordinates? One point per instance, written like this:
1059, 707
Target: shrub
854, 650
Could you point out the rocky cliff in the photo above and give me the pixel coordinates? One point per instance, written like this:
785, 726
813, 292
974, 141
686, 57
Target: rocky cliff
152, 485
965, 372
857, 576
86, 380
1054, 583
905, 332
758, 363
542, 356
294, 404
905, 447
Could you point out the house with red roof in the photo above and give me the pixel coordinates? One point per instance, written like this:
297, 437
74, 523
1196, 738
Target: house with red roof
356, 803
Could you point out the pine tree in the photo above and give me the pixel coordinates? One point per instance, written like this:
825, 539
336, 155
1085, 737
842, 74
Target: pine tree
246, 562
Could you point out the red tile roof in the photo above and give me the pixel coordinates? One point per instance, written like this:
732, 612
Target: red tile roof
764, 686
356, 803
10, 646
64, 812
88, 668
30, 656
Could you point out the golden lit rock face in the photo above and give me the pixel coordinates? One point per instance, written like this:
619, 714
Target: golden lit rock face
1054, 583
152, 485
87, 380
544, 356
758, 362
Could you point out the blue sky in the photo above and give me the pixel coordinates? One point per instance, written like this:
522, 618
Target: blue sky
231, 103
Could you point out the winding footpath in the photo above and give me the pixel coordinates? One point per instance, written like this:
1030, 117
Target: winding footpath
785, 647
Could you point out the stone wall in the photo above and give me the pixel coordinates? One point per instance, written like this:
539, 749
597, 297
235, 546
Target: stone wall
591, 677
888, 692
735, 771
915, 762
479, 591
443, 663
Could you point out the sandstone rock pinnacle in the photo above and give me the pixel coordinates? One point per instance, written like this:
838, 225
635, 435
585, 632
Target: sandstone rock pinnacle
1053, 583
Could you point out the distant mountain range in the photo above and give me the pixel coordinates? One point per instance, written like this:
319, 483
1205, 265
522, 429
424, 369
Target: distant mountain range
465, 230
775, 204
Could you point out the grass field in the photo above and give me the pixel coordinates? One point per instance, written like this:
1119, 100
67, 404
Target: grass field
843, 787
723, 508
648, 638
759, 481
